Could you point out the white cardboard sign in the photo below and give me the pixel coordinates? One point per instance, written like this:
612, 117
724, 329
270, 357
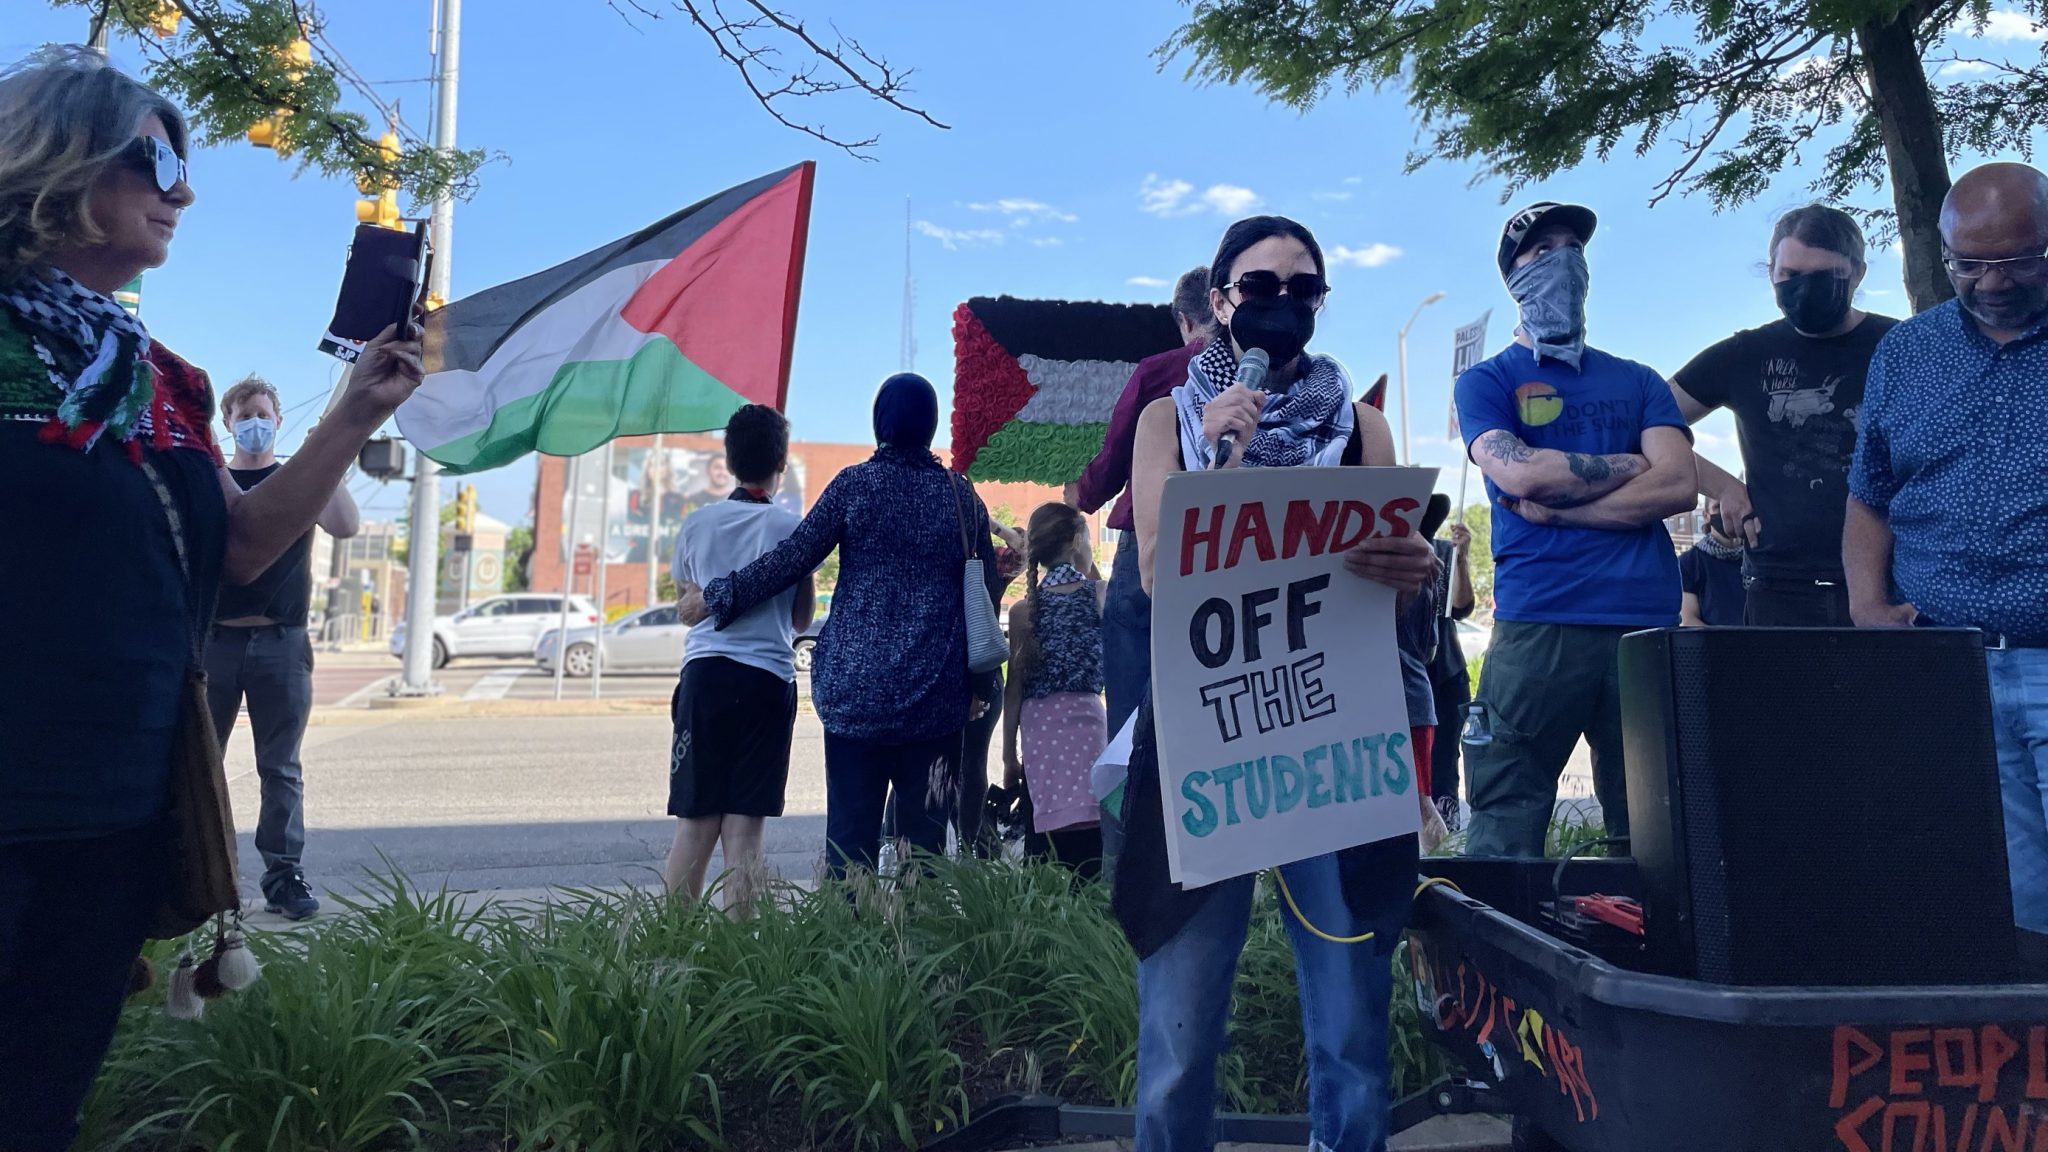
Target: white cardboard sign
1282, 724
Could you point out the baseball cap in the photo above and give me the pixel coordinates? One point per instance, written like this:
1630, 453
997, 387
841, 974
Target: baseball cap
1515, 234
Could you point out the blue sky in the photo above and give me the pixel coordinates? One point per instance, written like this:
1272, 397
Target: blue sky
1118, 176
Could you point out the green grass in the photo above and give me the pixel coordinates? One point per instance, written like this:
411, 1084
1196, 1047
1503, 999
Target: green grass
865, 1018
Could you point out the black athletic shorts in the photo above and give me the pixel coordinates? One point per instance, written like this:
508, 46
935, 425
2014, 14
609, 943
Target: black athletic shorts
730, 753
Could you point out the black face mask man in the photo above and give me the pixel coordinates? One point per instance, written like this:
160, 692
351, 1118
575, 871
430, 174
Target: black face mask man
1815, 303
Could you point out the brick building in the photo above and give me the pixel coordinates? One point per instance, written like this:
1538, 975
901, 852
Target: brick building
652, 490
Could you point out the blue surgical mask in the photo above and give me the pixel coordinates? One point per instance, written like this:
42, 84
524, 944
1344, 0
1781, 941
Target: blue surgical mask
255, 435
1551, 291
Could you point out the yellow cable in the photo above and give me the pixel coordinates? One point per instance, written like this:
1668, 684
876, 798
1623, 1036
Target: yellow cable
1318, 933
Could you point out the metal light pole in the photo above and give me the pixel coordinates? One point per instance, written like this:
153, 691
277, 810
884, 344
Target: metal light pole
1401, 347
654, 458
573, 469
423, 559
604, 563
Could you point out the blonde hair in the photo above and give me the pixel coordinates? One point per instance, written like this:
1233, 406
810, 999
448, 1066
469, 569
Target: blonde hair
65, 115
246, 389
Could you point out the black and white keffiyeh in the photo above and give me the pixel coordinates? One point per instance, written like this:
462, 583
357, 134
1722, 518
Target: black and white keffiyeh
93, 350
1308, 423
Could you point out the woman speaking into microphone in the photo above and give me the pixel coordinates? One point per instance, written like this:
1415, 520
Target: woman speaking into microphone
1266, 287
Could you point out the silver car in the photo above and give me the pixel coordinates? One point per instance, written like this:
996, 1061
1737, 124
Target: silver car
498, 625
647, 640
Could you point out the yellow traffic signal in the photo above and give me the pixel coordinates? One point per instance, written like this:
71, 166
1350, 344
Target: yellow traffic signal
269, 131
465, 510
163, 23
383, 211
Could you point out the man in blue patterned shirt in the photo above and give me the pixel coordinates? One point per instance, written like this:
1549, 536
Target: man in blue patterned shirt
1948, 509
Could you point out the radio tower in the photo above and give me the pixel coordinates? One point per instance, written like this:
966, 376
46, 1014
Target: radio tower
907, 351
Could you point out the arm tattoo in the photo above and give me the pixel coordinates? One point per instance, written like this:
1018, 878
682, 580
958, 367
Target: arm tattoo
1591, 469
1504, 445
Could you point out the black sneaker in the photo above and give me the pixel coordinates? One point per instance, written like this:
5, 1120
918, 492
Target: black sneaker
291, 897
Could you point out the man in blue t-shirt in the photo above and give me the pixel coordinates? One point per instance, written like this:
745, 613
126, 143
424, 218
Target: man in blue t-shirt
1584, 454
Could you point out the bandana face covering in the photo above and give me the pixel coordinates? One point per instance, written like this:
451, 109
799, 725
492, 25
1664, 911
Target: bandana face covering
1551, 292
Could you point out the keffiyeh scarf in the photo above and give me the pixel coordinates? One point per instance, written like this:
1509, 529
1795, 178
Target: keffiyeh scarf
1308, 423
93, 350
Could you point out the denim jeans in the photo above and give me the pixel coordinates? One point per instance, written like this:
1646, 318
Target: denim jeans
273, 667
1126, 660
860, 777
73, 914
2019, 716
1184, 1011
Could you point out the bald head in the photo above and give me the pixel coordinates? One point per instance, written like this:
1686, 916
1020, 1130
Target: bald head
1994, 231
1992, 192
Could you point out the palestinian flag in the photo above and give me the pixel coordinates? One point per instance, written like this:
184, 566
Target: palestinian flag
1034, 381
670, 329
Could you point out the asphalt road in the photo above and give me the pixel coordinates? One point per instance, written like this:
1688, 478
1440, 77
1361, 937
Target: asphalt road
346, 678
504, 802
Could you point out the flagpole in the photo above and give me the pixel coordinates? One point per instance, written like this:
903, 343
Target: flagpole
604, 562
573, 469
653, 524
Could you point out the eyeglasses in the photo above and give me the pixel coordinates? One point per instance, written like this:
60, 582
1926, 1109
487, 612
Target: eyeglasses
2026, 269
160, 160
1262, 285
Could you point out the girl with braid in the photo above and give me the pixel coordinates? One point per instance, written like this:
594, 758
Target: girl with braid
1054, 697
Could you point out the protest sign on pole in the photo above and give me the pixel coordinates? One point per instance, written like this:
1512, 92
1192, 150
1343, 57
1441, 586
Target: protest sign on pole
1277, 697
1468, 347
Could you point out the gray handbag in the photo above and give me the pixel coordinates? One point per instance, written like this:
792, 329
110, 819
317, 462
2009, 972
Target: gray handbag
986, 647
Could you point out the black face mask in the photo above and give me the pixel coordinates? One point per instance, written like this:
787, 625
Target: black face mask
1814, 302
1281, 325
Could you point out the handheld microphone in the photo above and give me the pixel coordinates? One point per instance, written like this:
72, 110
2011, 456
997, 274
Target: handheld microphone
1251, 372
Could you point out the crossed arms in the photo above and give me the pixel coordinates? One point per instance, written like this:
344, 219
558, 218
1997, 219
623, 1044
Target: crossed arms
1617, 492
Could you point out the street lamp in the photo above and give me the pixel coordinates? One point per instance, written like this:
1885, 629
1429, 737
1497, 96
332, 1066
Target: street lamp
1401, 344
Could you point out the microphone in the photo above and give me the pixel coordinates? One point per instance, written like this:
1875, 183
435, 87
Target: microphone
1251, 372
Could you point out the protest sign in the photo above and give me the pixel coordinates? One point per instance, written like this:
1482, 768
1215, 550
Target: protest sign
1276, 689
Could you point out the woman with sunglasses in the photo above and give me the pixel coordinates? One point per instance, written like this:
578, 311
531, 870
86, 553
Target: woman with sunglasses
1267, 286
121, 523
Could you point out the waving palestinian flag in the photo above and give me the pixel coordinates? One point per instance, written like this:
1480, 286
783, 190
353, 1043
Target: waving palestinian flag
670, 329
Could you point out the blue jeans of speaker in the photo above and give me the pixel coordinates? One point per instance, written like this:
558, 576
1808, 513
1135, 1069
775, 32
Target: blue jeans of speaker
1184, 1012
2019, 714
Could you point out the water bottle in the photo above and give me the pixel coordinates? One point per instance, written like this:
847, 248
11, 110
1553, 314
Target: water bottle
1478, 730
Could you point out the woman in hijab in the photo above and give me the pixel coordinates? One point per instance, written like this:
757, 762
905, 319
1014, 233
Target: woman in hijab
1266, 287
890, 679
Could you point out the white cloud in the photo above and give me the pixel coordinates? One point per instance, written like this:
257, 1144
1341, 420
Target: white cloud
1354, 179
2005, 24
1231, 199
1372, 255
1146, 282
1046, 241
1023, 210
1330, 195
956, 238
1165, 197
1957, 69
1179, 198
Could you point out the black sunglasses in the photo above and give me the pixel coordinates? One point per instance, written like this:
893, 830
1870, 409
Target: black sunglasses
1262, 285
158, 159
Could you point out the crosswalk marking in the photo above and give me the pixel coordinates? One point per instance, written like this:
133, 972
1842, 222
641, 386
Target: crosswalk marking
494, 685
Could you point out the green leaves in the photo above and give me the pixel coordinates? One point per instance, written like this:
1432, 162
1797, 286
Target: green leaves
231, 66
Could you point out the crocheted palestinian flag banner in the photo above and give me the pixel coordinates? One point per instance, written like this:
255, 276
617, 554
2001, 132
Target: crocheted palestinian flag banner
670, 329
1034, 381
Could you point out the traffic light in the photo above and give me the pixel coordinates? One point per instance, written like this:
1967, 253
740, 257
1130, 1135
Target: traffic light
382, 211
163, 23
465, 510
298, 56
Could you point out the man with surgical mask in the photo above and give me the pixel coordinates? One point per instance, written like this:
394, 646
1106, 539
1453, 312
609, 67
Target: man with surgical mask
259, 650
1795, 386
1584, 455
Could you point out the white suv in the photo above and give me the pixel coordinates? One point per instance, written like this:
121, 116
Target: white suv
499, 626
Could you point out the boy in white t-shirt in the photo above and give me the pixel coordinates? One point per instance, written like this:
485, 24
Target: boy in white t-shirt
735, 704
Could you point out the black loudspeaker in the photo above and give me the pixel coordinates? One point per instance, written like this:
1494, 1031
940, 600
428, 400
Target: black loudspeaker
1817, 806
